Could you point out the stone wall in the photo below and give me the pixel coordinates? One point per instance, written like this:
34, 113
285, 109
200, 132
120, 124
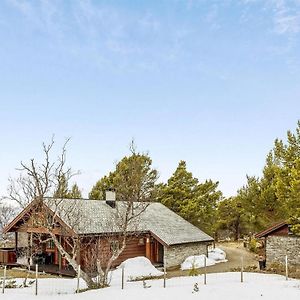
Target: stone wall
175, 255
277, 247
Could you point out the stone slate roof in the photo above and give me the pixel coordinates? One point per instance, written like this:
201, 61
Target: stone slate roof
97, 217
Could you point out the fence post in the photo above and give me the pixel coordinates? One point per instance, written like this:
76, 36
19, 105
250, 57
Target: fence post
78, 278
286, 268
165, 273
242, 269
204, 269
4, 278
122, 277
36, 278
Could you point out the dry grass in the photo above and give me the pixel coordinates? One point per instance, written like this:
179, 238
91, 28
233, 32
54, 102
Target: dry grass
22, 273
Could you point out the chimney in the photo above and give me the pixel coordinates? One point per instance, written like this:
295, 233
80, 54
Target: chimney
110, 197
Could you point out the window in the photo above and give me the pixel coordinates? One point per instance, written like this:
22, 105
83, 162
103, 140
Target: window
141, 242
114, 246
50, 245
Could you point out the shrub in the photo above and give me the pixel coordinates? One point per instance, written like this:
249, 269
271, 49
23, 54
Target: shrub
253, 247
193, 271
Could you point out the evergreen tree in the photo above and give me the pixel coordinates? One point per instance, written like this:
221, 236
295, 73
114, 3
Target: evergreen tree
276, 195
194, 201
249, 197
74, 193
287, 157
231, 216
201, 209
62, 187
180, 189
271, 207
133, 178
102, 185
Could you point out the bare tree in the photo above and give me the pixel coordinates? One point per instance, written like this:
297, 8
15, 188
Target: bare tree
135, 182
37, 182
7, 212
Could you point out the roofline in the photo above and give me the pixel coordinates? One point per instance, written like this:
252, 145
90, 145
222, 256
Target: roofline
73, 232
193, 242
18, 217
159, 239
270, 229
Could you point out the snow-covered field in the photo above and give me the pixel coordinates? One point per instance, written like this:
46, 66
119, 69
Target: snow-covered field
219, 286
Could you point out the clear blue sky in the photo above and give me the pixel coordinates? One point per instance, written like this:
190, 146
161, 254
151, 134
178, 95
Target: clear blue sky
209, 82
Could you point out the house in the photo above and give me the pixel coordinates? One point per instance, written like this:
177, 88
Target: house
161, 235
278, 242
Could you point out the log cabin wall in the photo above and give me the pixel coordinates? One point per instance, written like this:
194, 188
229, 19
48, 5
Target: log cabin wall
7, 257
135, 247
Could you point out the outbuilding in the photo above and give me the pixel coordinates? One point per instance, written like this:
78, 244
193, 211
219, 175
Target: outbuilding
278, 241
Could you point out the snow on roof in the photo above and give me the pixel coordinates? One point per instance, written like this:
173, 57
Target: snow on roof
96, 217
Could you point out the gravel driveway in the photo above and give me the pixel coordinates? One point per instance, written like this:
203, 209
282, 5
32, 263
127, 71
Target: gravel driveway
234, 252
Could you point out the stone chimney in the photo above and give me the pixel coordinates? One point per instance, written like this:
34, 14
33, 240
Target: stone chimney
110, 197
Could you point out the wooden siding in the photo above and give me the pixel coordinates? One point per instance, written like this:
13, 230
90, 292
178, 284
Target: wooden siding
134, 247
276, 229
8, 257
283, 231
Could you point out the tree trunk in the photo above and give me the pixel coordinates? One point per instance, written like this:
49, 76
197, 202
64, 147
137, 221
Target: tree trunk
89, 281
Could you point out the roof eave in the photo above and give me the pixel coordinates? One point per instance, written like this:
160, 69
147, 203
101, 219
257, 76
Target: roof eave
270, 229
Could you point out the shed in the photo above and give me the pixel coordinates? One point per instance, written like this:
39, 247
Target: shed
278, 242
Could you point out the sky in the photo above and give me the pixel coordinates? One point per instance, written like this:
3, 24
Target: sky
209, 82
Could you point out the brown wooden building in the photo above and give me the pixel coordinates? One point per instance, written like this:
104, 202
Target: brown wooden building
161, 235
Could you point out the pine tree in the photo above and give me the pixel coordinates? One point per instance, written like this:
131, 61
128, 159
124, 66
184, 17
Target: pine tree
180, 189
133, 178
62, 188
271, 207
194, 201
276, 195
231, 216
249, 197
102, 185
74, 193
201, 210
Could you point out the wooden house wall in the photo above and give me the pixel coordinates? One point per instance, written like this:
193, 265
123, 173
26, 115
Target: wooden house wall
282, 231
8, 257
135, 247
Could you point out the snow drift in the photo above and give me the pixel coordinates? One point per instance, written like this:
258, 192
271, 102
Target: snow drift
197, 261
217, 255
138, 268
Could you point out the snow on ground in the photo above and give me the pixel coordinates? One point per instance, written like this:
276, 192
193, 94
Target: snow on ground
136, 268
215, 256
219, 286
196, 262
